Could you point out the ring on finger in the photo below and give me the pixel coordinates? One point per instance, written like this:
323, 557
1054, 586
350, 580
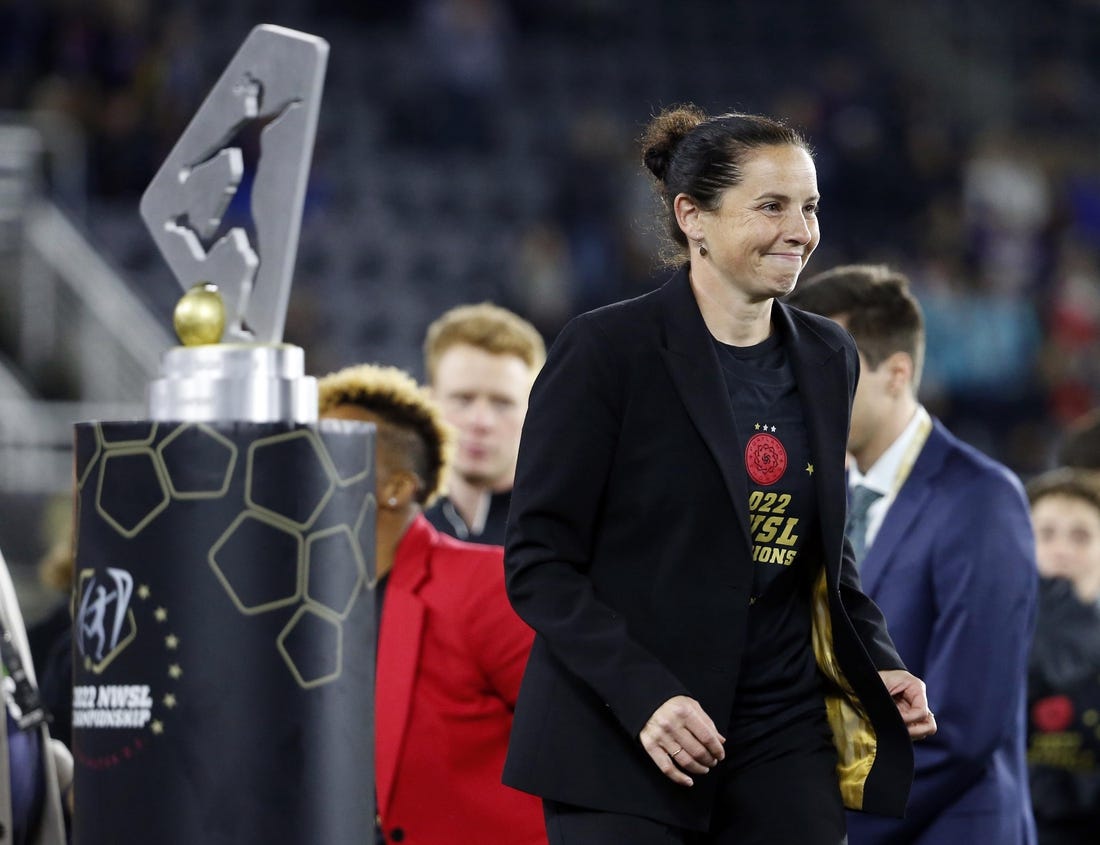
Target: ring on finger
677, 751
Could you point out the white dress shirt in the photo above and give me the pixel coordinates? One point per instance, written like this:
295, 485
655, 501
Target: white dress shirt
888, 473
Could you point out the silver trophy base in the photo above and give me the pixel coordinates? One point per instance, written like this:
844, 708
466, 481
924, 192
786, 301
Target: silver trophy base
234, 382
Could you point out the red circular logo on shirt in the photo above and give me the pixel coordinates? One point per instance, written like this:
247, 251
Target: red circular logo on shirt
765, 459
1052, 714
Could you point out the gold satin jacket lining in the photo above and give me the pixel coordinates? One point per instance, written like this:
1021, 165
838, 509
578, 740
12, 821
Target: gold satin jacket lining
853, 733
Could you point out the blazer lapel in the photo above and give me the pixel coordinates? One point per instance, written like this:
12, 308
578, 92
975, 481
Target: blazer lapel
912, 499
693, 365
822, 376
400, 635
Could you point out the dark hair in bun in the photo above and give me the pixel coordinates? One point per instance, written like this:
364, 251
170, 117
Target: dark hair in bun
690, 153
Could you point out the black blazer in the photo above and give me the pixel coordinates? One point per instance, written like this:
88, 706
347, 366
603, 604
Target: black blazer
629, 553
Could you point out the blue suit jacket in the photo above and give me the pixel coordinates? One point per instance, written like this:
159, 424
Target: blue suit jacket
953, 570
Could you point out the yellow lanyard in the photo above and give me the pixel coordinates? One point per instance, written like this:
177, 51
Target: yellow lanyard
924, 428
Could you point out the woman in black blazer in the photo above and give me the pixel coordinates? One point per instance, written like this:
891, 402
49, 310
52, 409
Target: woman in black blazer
706, 669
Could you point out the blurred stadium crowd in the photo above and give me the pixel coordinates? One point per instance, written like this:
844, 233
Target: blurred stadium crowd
485, 149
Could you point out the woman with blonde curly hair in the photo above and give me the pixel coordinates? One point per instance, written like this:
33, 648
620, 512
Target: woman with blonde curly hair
450, 649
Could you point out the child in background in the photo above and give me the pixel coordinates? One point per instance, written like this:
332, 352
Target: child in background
1064, 669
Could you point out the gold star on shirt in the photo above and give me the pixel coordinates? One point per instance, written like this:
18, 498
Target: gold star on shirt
172, 641
143, 591
810, 469
757, 426
175, 671
157, 726
160, 614
169, 701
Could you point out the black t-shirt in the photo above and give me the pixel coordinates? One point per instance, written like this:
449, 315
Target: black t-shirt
1063, 745
779, 681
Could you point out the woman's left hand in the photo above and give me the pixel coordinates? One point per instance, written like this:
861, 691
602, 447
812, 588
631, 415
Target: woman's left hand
909, 695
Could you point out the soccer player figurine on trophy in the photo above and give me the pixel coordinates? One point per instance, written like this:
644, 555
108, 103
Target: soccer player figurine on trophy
224, 623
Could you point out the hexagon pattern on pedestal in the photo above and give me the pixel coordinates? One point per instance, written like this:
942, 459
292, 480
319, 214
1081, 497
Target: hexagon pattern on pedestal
312, 646
268, 558
258, 563
131, 506
199, 462
301, 504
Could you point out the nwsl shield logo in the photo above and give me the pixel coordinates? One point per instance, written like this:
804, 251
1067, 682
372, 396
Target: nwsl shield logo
104, 623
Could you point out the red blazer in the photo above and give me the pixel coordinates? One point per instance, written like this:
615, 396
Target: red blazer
451, 655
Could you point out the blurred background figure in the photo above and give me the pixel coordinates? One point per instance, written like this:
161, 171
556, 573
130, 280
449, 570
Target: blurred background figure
481, 361
55, 572
51, 641
1064, 694
450, 649
34, 769
1081, 447
464, 43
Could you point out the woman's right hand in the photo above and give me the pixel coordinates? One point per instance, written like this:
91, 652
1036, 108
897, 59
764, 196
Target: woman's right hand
680, 738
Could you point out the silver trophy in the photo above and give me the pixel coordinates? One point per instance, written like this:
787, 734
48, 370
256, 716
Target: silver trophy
224, 639
232, 364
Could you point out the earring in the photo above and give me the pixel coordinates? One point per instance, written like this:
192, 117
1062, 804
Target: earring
703, 249
392, 501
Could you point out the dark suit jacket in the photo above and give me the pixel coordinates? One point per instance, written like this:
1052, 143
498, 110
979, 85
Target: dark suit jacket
450, 657
953, 569
629, 553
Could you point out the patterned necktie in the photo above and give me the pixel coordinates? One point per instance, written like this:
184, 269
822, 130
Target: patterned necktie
856, 527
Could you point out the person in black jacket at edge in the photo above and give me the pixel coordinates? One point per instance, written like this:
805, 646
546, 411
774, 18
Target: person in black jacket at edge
705, 667
1064, 668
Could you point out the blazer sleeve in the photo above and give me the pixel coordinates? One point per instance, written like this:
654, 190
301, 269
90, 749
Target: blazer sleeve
501, 641
566, 457
984, 584
864, 614
866, 617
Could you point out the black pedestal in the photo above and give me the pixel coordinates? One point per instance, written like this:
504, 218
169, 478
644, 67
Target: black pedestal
224, 634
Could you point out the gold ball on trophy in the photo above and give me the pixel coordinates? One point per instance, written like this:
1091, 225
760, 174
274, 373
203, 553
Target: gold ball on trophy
199, 317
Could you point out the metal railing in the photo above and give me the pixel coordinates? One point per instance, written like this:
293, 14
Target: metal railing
36, 441
76, 302
67, 312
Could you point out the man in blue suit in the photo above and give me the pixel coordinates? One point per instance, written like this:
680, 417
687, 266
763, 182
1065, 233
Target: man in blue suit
944, 544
